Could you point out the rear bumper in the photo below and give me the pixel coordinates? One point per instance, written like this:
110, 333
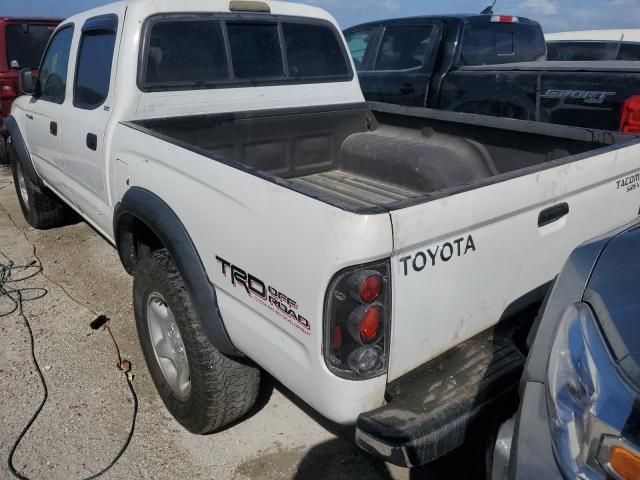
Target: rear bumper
432, 410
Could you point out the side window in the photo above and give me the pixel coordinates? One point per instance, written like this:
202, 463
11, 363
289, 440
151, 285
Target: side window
93, 70
255, 50
405, 47
358, 43
54, 67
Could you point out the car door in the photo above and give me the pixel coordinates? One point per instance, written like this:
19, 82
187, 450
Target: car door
45, 112
84, 145
400, 69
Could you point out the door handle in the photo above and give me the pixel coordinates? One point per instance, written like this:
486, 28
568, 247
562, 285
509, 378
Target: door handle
30, 117
53, 129
92, 141
553, 214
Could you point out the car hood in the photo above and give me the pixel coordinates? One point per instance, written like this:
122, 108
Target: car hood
614, 293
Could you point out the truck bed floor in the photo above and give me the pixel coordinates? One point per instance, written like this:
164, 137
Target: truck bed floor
356, 189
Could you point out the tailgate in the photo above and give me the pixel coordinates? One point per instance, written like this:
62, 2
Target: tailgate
462, 260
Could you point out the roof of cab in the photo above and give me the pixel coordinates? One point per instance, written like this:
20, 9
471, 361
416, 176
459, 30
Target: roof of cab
152, 7
460, 17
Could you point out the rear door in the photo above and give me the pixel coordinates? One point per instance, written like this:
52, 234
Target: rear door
463, 262
398, 64
84, 145
45, 112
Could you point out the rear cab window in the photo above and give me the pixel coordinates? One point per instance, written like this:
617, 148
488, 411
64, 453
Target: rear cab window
186, 51
493, 43
26, 43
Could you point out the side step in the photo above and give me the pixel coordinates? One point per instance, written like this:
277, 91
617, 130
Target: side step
430, 409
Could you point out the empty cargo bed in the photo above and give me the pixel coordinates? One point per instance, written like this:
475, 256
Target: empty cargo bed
376, 157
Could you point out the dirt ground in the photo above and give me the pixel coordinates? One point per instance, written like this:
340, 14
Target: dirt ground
88, 413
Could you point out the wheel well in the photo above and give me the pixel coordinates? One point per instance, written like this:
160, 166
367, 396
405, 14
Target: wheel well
135, 239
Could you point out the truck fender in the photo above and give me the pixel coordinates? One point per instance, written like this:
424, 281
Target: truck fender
141, 205
21, 151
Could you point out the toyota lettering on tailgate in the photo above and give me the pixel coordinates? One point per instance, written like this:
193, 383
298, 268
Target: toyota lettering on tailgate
439, 253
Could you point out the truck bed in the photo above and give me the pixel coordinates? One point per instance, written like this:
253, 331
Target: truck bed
377, 157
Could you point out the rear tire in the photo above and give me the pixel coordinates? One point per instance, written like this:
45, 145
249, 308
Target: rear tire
4, 153
220, 389
40, 207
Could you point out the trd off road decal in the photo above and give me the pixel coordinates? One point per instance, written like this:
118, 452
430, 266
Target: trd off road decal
438, 254
629, 183
588, 96
273, 299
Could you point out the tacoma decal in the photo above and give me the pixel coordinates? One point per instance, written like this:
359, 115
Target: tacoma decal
592, 97
630, 183
273, 299
439, 253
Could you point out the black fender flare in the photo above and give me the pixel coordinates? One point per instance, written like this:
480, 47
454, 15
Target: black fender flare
22, 154
139, 204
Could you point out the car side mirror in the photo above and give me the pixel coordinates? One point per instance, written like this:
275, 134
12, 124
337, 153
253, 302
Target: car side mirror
27, 82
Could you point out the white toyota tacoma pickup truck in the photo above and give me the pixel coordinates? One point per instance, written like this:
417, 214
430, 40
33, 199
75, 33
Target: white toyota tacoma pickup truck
379, 261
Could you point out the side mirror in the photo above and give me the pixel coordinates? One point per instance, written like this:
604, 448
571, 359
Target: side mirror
27, 82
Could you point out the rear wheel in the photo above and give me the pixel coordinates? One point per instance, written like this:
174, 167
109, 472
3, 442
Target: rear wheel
202, 388
4, 154
40, 207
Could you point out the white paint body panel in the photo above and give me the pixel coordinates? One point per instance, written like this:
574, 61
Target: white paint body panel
449, 302
292, 242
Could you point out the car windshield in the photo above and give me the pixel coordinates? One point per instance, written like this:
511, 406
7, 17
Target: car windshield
592, 51
26, 43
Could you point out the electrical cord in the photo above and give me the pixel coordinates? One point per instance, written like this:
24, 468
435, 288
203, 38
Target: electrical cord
17, 297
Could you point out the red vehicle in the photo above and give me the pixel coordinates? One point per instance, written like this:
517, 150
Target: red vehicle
22, 42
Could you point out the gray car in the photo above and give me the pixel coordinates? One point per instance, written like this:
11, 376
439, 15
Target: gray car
579, 415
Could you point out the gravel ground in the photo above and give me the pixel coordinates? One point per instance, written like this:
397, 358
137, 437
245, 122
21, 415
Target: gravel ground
88, 413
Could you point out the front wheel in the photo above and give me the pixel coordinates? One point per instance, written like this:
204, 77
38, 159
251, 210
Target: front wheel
40, 207
203, 389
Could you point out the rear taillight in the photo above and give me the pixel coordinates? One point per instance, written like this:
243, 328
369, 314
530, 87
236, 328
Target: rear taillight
630, 116
8, 89
357, 322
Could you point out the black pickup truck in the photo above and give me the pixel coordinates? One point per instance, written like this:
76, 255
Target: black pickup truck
491, 65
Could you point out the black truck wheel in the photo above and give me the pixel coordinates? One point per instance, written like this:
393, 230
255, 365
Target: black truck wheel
40, 207
4, 153
203, 389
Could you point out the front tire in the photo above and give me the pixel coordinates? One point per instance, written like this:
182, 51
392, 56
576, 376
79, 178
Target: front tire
40, 207
203, 389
